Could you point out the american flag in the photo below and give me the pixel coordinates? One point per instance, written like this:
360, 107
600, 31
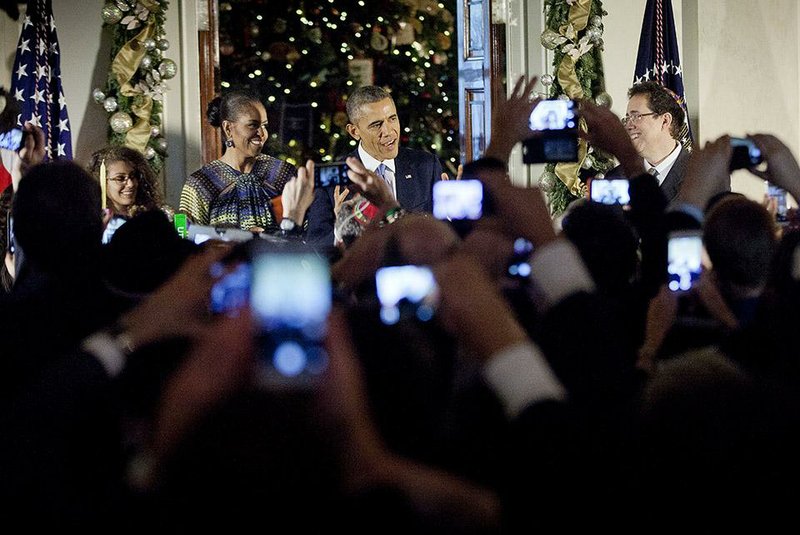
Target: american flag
36, 79
658, 57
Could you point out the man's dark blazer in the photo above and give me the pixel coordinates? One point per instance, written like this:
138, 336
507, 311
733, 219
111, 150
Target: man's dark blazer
415, 173
672, 182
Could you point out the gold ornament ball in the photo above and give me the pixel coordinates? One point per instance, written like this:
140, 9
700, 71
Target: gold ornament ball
111, 14
603, 99
167, 69
120, 122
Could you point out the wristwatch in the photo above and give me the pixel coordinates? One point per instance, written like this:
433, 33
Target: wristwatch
287, 225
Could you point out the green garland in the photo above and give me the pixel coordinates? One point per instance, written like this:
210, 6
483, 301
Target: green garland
589, 71
125, 19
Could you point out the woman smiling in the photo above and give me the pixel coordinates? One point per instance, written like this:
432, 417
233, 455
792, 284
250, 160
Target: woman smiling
131, 185
237, 189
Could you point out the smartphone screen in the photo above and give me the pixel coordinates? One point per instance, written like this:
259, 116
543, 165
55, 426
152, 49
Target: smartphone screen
290, 297
406, 291
610, 191
331, 174
519, 265
11, 247
11, 140
779, 194
554, 128
458, 199
684, 260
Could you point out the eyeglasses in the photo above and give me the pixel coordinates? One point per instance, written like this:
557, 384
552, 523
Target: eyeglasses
122, 179
634, 117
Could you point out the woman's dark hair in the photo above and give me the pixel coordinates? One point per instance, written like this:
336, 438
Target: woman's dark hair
148, 194
226, 107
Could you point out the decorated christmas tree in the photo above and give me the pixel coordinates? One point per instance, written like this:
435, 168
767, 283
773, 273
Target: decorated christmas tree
305, 57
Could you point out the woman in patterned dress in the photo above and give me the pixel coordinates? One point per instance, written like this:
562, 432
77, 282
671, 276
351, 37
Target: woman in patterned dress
236, 190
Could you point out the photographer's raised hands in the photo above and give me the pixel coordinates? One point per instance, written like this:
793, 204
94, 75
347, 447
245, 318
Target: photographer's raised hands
708, 173
782, 169
510, 118
605, 131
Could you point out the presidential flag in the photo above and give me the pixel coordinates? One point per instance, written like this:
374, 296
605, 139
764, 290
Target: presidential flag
36, 79
658, 57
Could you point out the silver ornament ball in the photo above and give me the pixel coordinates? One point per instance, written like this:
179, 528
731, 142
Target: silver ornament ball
162, 144
147, 62
110, 104
594, 34
98, 95
596, 21
167, 69
162, 44
603, 99
588, 162
547, 181
149, 153
547, 80
155, 131
111, 14
120, 122
149, 44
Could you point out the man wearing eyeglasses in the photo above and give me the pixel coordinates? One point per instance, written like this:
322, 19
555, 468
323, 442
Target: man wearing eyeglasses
653, 121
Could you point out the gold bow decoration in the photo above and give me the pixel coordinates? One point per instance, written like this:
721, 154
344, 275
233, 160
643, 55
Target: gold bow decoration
568, 79
124, 66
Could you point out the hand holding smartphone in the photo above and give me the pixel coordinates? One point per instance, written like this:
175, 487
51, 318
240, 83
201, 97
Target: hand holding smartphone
331, 174
554, 133
745, 154
406, 291
13, 140
290, 298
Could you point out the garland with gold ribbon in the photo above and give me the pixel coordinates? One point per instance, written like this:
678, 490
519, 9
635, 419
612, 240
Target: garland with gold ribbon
574, 30
134, 91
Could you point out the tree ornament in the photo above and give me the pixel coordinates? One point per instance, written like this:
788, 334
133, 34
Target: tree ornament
378, 42
162, 44
161, 143
167, 69
147, 62
603, 99
111, 14
98, 95
588, 162
149, 153
547, 80
551, 39
547, 181
594, 34
123, 5
120, 122
155, 131
149, 44
110, 104
596, 21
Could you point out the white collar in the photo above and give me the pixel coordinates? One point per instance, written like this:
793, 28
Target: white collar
372, 163
666, 164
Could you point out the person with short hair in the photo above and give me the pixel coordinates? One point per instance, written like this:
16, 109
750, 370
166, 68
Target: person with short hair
409, 173
653, 120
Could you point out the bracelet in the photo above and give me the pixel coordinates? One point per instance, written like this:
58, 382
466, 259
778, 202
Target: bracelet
392, 215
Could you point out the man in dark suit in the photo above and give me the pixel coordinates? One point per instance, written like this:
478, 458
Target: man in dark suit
410, 173
653, 121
